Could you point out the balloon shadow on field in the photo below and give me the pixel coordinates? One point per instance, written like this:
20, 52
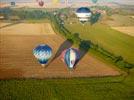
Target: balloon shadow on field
84, 47
65, 45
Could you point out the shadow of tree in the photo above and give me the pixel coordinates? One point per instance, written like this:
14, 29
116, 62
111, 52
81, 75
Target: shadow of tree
84, 46
94, 18
76, 38
65, 45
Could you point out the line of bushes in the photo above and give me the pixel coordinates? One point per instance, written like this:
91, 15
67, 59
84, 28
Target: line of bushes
24, 14
117, 60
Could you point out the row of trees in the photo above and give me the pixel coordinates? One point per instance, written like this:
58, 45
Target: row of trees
23, 14
117, 60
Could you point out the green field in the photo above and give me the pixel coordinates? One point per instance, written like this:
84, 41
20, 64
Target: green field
108, 88
115, 42
37, 21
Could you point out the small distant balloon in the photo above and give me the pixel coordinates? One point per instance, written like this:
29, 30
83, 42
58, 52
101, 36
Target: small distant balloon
41, 3
55, 1
70, 57
12, 3
43, 53
94, 1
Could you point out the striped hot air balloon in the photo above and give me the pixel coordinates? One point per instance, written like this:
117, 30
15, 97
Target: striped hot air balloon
43, 53
71, 56
83, 13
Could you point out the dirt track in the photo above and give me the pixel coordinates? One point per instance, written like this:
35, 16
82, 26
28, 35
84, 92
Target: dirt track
17, 60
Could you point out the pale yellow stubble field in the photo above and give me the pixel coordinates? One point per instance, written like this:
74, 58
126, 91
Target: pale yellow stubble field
26, 29
126, 30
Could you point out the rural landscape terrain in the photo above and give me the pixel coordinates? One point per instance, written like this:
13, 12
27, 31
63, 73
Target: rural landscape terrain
18, 55
105, 70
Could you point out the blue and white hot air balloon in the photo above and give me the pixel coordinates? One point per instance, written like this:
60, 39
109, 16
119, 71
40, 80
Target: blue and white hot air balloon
71, 56
43, 53
83, 13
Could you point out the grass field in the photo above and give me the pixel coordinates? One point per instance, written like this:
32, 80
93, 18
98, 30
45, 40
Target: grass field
114, 41
108, 88
37, 21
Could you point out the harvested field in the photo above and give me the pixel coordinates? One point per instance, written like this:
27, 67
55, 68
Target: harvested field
4, 24
127, 30
26, 29
17, 60
132, 16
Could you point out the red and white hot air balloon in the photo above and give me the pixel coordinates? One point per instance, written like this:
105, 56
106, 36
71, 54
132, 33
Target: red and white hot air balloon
40, 2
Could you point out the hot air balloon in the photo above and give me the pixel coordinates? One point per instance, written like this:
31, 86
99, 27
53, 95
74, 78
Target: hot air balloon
63, 55
55, 1
71, 56
83, 14
41, 3
43, 53
94, 1
12, 3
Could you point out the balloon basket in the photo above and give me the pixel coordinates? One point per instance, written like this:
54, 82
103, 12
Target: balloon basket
43, 65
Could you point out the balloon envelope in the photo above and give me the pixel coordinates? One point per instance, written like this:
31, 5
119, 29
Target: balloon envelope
55, 1
43, 53
94, 1
83, 14
41, 3
71, 56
